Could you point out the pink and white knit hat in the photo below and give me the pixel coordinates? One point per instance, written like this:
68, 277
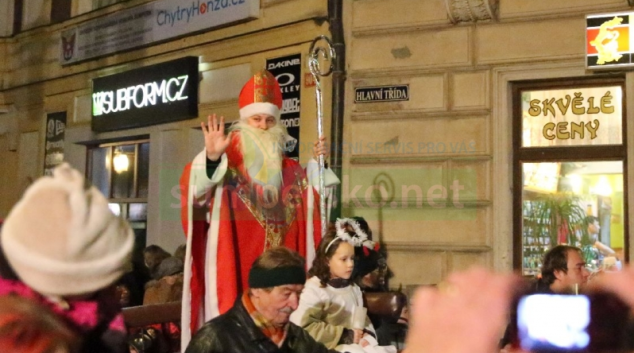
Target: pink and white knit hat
61, 239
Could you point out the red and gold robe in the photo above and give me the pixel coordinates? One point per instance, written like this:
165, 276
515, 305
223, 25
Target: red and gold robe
229, 224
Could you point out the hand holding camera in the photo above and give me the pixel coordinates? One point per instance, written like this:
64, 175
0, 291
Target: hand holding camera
597, 321
468, 313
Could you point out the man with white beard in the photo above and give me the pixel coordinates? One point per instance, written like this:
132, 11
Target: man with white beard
254, 198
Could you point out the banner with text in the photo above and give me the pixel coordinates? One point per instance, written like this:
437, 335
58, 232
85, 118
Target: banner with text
287, 70
150, 23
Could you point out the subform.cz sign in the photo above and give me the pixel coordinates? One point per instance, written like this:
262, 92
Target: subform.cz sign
151, 95
381, 94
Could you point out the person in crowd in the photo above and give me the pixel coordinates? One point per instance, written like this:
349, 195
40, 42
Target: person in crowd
164, 337
330, 299
367, 261
153, 255
61, 246
129, 290
123, 294
169, 287
29, 327
563, 272
258, 322
255, 196
603, 251
180, 252
370, 274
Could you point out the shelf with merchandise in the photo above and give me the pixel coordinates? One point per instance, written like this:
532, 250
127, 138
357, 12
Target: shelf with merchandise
548, 220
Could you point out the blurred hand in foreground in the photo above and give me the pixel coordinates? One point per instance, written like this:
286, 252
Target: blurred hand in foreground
465, 313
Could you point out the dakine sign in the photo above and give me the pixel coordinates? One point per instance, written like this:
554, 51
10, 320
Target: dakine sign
381, 94
147, 96
288, 70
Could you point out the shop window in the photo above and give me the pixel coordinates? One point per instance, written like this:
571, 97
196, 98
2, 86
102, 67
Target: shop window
60, 10
121, 172
569, 172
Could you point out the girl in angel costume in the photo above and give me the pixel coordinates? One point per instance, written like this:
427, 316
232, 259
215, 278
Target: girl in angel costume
331, 300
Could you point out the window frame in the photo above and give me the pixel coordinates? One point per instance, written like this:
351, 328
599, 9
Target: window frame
111, 148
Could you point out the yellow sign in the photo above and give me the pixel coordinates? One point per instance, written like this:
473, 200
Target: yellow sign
608, 40
588, 116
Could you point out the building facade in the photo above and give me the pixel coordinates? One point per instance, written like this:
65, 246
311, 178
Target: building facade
38, 85
469, 65
434, 152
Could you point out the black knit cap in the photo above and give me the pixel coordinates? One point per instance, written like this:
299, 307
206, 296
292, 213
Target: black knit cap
273, 277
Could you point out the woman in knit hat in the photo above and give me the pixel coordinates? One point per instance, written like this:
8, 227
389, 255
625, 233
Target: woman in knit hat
62, 247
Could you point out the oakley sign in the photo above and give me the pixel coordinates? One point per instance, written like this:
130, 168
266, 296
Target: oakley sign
147, 96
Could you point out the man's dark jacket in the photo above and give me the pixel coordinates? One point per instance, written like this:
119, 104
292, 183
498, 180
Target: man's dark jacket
236, 332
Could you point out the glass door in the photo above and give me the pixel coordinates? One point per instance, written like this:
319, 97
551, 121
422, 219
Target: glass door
574, 203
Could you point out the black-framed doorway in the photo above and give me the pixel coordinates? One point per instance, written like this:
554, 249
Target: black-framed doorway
567, 168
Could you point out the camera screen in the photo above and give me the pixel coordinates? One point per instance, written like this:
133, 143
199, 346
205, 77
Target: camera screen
548, 322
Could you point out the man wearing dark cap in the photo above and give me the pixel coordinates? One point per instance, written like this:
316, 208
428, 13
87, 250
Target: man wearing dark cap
259, 319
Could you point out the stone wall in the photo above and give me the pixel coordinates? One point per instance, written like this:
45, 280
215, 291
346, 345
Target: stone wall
456, 124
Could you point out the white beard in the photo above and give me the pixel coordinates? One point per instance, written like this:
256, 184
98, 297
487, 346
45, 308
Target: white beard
262, 153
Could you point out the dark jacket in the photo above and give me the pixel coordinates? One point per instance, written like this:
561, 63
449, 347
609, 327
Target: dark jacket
236, 332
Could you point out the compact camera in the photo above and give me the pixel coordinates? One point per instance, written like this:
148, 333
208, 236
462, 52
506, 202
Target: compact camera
592, 322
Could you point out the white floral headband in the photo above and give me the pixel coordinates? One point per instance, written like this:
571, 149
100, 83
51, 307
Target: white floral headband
359, 238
